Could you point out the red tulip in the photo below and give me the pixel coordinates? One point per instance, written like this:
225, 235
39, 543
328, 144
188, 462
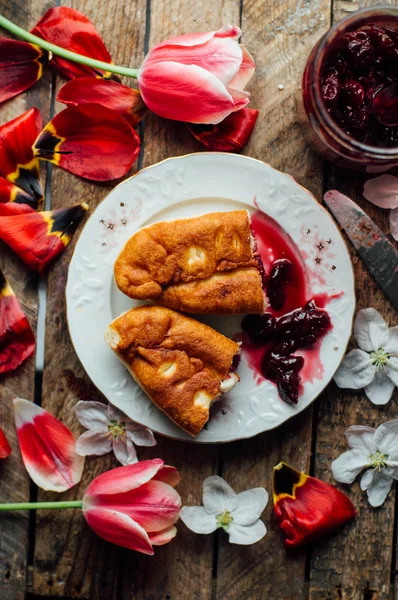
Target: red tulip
134, 506
14, 198
89, 140
39, 237
231, 135
47, 447
198, 78
307, 508
17, 342
5, 448
17, 163
21, 65
124, 100
70, 29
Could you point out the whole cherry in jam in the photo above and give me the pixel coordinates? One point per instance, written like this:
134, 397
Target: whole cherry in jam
359, 84
284, 372
281, 273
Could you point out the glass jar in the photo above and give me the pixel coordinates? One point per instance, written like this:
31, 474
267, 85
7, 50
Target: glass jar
320, 129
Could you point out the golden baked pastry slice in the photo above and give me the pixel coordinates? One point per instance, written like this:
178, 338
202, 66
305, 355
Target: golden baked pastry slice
181, 364
206, 264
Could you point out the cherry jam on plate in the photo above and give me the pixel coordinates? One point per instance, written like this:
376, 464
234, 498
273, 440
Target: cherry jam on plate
348, 102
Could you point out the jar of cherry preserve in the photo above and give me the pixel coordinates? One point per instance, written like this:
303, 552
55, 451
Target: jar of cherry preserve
348, 101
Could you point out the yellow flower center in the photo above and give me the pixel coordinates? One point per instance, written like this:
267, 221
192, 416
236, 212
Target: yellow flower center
117, 430
380, 358
377, 460
224, 519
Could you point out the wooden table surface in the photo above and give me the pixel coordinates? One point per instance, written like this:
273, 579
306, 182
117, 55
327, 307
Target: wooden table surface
54, 553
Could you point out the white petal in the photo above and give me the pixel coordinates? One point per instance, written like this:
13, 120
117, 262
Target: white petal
246, 534
380, 390
249, 506
140, 436
114, 414
370, 330
378, 490
198, 519
93, 443
367, 479
356, 371
347, 466
392, 342
92, 415
125, 451
218, 495
386, 439
393, 472
392, 370
362, 438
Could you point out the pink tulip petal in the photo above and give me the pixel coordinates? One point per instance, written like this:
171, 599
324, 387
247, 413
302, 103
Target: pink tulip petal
221, 57
123, 479
229, 31
245, 73
382, 191
184, 93
394, 223
168, 475
119, 529
196, 39
47, 448
240, 98
154, 505
159, 538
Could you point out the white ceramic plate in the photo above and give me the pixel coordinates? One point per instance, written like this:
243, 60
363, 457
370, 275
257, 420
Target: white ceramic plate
190, 186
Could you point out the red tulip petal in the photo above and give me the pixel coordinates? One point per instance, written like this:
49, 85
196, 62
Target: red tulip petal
17, 341
168, 475
38, 238
89, 140
307, 507
47, 447
21, 65
231, 135
70, 29
5, 448
13, 208
121, 480
118, 529
17, 163
124, 100
154, 505
11, 193
160, 538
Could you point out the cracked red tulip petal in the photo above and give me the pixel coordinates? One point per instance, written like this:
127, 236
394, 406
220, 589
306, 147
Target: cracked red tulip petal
5, 448
70, 29
13, 200
17, 162
17, 342
124, 100
231, 135
89, 140
306, 507
21, 65
39, 237
47, 447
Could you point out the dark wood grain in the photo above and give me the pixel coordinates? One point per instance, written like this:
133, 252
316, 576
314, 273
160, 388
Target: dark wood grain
280, 36
15, 482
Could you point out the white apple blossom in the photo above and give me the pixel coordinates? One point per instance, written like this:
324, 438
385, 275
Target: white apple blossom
109, 428
237, 514
375, 450
374, 365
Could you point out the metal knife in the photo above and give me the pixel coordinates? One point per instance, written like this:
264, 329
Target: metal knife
376, 251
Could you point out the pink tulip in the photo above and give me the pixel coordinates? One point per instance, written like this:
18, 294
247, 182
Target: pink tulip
48, 447
198, 77
134, 506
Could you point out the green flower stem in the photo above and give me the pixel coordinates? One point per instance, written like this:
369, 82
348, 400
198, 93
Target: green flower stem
40, 505
67, 54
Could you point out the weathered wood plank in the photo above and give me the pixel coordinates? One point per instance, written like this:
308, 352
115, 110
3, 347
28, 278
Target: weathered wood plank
15, 483
70, 560
183, 568
355, 563
279, 36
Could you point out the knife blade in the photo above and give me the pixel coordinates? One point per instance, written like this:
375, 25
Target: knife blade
376, 251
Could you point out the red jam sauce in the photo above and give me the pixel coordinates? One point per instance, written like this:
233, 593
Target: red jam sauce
270, 341
359, 84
